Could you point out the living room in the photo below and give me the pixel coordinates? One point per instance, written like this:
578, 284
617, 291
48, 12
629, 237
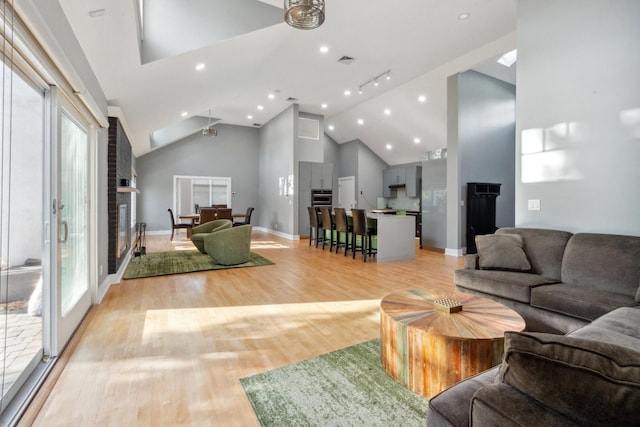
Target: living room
577, 137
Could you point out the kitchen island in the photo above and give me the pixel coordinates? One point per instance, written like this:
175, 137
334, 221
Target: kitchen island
396, 237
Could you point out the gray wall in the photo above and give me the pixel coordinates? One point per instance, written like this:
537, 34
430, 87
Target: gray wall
233, 153
480, 148
356, 159
578, 115
276, 159
486, 138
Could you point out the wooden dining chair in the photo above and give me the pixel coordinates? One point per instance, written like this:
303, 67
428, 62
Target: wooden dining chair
178, 226
225, 213
207, 215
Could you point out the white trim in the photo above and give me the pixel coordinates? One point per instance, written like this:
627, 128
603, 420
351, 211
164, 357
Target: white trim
278, 233
112, 279
453, 252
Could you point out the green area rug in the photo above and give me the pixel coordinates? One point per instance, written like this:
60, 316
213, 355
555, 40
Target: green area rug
348, 387
174, 262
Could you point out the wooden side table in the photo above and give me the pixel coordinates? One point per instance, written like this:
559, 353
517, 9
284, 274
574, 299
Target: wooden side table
428, 347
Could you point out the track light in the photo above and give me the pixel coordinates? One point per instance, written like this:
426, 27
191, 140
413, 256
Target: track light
375, 80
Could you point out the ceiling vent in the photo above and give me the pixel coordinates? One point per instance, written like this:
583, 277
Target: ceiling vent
291, 99
346, 60
257, 124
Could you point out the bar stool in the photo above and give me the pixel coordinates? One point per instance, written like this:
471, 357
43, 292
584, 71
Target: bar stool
360, 229
342, 226
328, 225
314, 226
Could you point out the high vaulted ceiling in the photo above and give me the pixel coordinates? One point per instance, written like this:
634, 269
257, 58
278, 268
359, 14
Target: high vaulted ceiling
249, 52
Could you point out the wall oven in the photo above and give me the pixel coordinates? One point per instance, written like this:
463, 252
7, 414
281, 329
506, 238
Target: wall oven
321, 198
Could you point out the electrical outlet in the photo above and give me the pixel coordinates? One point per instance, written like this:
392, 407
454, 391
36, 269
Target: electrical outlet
534, 205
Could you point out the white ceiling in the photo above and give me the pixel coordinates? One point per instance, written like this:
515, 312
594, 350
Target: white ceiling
420, 41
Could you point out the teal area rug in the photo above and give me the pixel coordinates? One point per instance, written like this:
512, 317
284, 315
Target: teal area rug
348, 387
175, 262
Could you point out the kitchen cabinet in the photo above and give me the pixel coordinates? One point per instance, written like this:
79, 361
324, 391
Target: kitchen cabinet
413, 175
409, 176
311, 176
392, 176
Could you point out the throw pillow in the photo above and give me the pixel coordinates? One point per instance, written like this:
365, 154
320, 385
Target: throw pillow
501, 252
592, 382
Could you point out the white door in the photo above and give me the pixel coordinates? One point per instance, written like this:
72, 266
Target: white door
347, 192
72, 296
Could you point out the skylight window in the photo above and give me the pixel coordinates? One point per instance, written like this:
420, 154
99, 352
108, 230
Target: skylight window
509, 58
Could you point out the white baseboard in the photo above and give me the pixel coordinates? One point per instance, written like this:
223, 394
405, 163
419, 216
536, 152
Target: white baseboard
112, 279
453, 252
278, 233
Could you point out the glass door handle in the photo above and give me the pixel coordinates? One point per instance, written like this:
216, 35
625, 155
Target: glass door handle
66, 232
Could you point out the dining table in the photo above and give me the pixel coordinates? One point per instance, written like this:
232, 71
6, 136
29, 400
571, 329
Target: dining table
195, 218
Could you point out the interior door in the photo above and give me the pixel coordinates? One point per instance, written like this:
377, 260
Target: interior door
347, 192
71, 212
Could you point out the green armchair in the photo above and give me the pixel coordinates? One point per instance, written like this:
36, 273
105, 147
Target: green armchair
230, 246
201, 231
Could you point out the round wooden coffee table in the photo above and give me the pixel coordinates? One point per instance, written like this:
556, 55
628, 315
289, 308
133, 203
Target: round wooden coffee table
427, 346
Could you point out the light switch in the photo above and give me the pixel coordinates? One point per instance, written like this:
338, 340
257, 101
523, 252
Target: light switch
534, 205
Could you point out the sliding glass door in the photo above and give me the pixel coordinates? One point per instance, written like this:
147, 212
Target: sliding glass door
71, 209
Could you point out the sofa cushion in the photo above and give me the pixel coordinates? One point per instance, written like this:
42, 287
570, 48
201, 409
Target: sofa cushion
506, 284
620, 327
607, 262
577, 301
445, 407
498, 405
591, 382
501, 252
544, 248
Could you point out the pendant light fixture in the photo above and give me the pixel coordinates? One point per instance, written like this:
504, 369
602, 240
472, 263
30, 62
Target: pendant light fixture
209, 130
304, 14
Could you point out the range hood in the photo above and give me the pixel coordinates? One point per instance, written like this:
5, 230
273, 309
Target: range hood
397, 186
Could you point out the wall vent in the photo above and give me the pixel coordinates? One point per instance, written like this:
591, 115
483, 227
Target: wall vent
257, 124
346, 60
291, 99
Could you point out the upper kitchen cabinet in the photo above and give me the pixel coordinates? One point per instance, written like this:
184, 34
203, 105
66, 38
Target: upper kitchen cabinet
413, 176
321, 176
393, 177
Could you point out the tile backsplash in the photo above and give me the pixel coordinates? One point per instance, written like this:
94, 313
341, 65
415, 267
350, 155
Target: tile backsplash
401, 201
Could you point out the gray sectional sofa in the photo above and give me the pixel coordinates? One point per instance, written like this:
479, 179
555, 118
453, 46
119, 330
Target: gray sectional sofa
557, 281
590, 377
583, 285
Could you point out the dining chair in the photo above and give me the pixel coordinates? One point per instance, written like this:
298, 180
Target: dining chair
179, 225
246, 219
328, 225
342, 228
225, 213
207, 215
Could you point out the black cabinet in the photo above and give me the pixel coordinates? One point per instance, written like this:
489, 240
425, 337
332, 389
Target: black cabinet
481, 211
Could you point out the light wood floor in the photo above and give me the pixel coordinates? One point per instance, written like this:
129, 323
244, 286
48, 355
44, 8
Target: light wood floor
169, 351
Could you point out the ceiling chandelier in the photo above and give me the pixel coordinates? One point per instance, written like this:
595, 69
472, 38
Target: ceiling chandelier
209, 130
304, 14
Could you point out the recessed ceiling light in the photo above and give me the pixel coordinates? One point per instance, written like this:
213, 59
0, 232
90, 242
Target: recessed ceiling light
422, 98
184, 114
331, 127
387, 112
271, 96
260, 107
324, 49
360, 121
324, 105
388, 146
249, 116
464, 15
347, 92
200, 67
416, 140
